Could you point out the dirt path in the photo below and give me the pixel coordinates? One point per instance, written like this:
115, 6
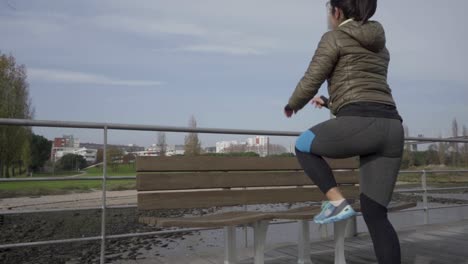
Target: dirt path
90, 199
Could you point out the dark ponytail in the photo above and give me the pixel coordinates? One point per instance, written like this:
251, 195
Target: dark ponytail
360, 10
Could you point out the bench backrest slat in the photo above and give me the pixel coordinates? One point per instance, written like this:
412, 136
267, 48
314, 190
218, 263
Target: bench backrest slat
207, 181
213, 163
207, 198
151, 181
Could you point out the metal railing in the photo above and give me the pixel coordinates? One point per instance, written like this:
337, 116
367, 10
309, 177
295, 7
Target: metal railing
113, 126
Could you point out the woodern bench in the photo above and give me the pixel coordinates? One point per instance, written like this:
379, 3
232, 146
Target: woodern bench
182, 182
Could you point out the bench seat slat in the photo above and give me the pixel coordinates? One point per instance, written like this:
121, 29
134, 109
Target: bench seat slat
214, 220
210, 163
302, 213
244, 217
206, 180
307, 212
210, 198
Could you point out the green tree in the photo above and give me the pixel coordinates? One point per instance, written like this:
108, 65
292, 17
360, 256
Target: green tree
40, 152
26, 158
70, 162
14, 103
192, 143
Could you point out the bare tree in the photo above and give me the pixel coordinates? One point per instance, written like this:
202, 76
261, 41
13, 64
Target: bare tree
192, 143
276, 149
442, 149
432, 157
408, 154
115, 156
162, 146
238, 148
465, 145
455, 150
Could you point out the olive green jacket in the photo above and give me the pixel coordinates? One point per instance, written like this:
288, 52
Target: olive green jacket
354, 61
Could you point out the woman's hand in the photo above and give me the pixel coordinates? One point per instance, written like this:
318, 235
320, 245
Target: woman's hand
288, 111
318, 102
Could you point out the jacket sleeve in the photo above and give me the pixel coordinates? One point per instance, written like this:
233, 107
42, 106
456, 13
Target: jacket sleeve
320, 68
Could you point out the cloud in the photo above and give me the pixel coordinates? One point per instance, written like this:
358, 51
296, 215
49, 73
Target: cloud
230, 50
147, 26
62, 76
233, 30
200, 37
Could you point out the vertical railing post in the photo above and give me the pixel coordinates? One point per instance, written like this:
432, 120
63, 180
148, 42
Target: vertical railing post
246, 238
424, 187
103, 200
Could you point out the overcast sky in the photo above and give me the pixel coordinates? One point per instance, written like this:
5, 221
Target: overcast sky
231, 64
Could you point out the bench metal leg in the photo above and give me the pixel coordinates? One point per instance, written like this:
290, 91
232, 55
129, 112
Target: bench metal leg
351, 228
260, 231
304, 243
230, 249
339, 234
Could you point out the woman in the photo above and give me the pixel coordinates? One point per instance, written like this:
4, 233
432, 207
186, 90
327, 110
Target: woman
354, 60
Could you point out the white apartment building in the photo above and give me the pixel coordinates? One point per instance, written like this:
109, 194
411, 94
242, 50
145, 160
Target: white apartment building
258, 141
258, 144
90, 155
171, 150
223, 145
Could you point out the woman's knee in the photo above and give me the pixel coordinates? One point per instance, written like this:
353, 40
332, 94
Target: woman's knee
304, 141
372, 210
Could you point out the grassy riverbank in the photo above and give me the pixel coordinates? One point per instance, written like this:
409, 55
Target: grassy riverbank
19, 189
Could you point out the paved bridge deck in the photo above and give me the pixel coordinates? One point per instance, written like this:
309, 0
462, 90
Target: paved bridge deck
430, 244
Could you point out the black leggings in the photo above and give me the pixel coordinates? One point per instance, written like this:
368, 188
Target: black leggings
379, 143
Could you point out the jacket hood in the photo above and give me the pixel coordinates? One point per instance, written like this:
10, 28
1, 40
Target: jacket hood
370, 35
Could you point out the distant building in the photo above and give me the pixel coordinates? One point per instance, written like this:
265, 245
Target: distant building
90, 155
171, 150
258, 144
210, 150
223, 145
68, 144
175, 150
124, 148
63, 143
258, 141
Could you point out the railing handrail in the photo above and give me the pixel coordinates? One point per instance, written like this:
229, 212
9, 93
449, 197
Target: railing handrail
133, 177
119, 126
